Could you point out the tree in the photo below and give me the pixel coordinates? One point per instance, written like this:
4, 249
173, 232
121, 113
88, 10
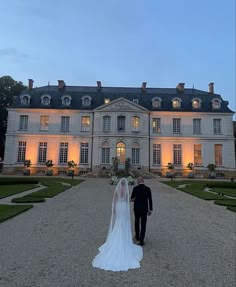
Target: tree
8, 89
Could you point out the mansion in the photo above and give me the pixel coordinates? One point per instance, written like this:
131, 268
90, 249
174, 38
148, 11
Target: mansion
93, 125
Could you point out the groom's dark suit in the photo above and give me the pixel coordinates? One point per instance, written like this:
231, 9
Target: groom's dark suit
142, 197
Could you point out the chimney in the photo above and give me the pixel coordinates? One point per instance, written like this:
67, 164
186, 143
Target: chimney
180, 87
211, 88
99, 85
61, 84
31, 83
144, 84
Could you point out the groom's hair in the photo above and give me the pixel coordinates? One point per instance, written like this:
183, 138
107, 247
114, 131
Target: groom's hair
140, 180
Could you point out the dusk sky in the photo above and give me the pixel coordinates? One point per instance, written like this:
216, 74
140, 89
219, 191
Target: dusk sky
120, 43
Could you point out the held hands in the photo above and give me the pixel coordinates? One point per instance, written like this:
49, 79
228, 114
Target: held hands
149, 212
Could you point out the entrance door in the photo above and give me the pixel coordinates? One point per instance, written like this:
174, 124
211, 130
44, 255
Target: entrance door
120, 153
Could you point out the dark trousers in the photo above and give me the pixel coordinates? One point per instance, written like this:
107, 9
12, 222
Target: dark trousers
140, 218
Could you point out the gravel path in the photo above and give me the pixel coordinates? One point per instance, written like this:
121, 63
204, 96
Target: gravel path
189, 242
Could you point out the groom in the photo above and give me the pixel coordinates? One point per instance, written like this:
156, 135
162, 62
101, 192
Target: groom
142, 198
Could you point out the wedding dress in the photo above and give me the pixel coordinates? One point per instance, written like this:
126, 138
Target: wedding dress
119, 253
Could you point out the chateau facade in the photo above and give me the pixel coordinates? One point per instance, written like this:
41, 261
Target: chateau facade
92, 125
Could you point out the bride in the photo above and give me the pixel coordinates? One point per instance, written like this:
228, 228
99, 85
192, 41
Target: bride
119, 253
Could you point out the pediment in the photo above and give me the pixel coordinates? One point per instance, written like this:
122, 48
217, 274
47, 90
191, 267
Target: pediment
121, 104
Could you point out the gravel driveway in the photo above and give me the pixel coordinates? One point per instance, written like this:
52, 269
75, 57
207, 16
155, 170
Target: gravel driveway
189, 241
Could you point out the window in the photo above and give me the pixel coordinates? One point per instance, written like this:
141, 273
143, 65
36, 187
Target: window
44, 123
23, 123
196, 126
120, 152
45, 100
135, 154
197, 154
21, 151
84, 153
156, 103
217, 126
105, 153
216, 103
196, 103
121, 123
135, 123
42, 152
65, 123
156, 154
106, 100
106, 123
86, 101
176, 126
156, 125
176, 103
135, 101
66, 100
25, 99
218, 154
85, 124
177, 154
63, 155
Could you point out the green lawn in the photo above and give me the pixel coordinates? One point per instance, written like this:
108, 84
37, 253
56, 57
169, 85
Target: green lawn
8, 190
8, 211
13, 185
196, 188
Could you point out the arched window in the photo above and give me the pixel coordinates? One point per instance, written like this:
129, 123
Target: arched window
45, 100
216, 103
120, 152
25, 99
156, 102
196, 103
86, 101
176, 103
66, 100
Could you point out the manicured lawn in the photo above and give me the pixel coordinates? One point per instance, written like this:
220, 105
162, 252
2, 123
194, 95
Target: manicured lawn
12, 185
196, 188
9, 211
8, 190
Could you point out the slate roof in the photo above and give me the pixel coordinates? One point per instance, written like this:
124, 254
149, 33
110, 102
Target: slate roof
130, 93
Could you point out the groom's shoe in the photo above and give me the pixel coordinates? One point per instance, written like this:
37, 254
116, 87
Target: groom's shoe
141, 243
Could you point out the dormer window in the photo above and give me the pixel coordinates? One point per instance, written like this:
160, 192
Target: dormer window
106, 100
196, 103
45, 100
176, 103
25, 99
216, 103
156, 102
86, 101
135, 101
66, 100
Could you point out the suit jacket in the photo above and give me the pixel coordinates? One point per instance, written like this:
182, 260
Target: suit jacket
142, 197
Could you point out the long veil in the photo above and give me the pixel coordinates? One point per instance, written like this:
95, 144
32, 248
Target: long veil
121, 195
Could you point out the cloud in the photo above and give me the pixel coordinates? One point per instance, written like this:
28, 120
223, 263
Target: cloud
13, 53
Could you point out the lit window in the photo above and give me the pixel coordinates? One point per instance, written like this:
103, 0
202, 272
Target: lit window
218, 154
44, 123
196, 103
135, 123
85, 124
156, 125
197, 154
176, 103
106, 100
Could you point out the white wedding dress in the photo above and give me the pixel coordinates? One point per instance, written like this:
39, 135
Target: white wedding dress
119, 253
